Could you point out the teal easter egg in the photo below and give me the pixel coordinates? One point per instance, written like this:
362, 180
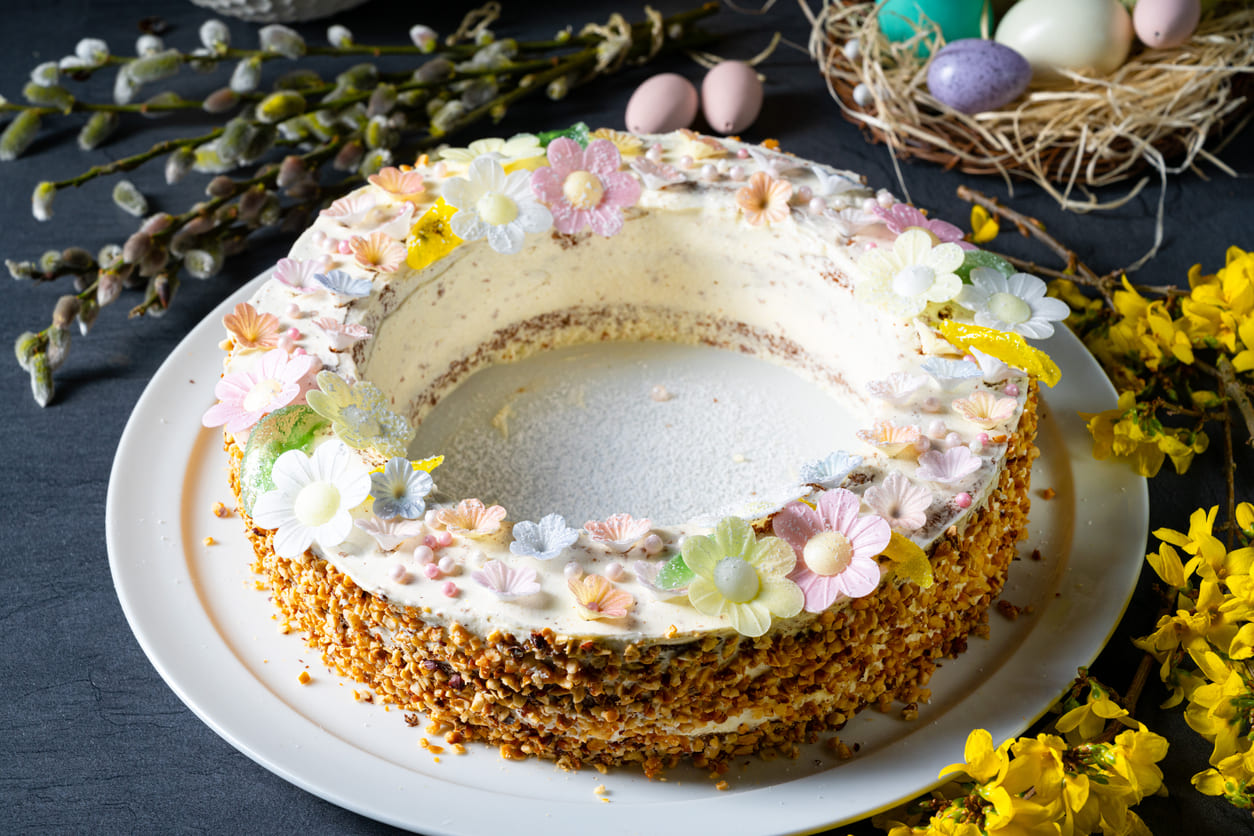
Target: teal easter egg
290, 428
957, 19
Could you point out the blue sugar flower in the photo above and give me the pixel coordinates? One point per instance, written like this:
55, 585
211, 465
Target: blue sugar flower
400, 490
831, 470
342, 284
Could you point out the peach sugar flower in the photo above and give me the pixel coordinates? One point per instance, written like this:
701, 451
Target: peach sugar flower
765, 199
404, 185
471, 518
598, 598
378, 252
250, 330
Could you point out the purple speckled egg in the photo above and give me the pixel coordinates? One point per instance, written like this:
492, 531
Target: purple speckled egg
974, 75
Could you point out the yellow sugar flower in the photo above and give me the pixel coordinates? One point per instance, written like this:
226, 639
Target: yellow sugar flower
628, 145
431, 238
1008, 347
742, 578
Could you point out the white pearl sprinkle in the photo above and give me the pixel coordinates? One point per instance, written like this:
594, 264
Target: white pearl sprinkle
654, 154
614, 571
818, 205
572, 570
709, 173
803, 194
423, 554
736, 172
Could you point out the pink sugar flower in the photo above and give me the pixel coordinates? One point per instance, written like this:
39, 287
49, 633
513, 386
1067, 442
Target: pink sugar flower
404, 185
298, 273
949, 467
584, 187
620, 532
900, 502
245, 396
901, 216
471, 518
596, 598
835, 547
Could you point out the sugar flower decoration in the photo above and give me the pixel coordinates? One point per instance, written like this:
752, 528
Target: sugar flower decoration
377, 252
835, 547
544, 540
312, 498
741, 578
993, 369
656, 175
519, 151
584, 187
628, 145
359, 415
249, 330
247, 395
647, 574
494, 205
298, 274
1017, 303
620, 532
889, 438
431, 237
905, 279
900, 502
341, 335
829, 183
701, 147
471, 518
948, 373
985, 409
897, 387
597, 598
902, 216
949, 467
390, 533
831, 470
342, 284
765, 199
350, 208
508, 581
403, 185
400, 489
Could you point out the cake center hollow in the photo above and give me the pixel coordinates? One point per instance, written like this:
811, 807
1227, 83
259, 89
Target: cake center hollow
663, 430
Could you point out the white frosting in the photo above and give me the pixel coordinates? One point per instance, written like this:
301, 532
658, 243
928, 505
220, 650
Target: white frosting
685, 267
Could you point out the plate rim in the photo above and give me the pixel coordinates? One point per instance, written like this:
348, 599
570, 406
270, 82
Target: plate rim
144, 615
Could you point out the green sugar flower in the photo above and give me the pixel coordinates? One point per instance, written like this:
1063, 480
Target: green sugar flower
742, 578
359, 415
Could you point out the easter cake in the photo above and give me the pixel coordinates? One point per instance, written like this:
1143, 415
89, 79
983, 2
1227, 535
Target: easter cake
620, 640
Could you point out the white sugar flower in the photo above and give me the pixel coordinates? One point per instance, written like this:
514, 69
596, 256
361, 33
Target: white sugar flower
953, 465
949, 373
312, 498
984, 409
831, 470
1016, 304
495, 205
901, 503
994, 370
913, 274
544, 540
897, 387
389, 534
508, 581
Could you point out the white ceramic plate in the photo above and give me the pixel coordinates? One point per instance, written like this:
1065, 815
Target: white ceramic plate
212, 635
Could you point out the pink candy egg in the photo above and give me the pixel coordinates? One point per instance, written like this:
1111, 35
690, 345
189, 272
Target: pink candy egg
665, 102
1166, 23
731, 97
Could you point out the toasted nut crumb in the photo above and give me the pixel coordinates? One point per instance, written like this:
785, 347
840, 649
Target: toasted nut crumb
209, 541
600, 790
1048, 493
304, 678
722, 786
436, 759
1009, 610
221, 511
459, 749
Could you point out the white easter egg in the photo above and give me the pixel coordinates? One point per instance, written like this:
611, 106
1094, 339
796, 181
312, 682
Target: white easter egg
1091, 36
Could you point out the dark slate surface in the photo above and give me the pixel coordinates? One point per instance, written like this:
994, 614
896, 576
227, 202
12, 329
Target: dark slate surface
91, 738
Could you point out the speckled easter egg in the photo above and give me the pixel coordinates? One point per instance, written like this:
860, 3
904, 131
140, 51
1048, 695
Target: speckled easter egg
1166, 23
663, 103
731, 97
1080, 35
957, 19
974, 75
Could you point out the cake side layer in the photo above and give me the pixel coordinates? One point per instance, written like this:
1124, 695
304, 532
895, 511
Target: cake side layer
580, 701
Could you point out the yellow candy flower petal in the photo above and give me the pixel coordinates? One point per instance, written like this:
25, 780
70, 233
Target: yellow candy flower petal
431, 238
909, 561
1008, 347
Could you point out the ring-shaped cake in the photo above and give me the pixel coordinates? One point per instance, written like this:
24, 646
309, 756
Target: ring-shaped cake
620, 640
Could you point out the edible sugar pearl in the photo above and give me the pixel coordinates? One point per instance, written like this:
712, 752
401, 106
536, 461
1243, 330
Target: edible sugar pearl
423, 554
922, 444
285, 343
742, 153
952, 440
818, 205
931, 404
614, 571
573, 570
736, 172
1012, 390
318, 238
686, 162
937, 429
449, 589
963, 500
652, 544
399, 574
431, 571
885, 198
444, 538
869, 204
803, 194
293, 311
709, 173
654, 154
448, 565
983, 438
293, 334
440, 169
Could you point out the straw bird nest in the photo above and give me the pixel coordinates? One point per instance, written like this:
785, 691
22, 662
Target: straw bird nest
1159, 110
